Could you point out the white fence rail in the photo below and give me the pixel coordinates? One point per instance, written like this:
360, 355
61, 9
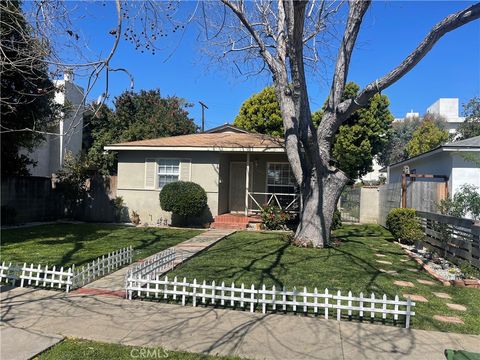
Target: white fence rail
285, 201
102, 266
60, 278
154, 265
338, 305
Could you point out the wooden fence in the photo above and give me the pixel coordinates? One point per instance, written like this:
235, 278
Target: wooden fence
60, 278
455, 238
338, 305
102, 266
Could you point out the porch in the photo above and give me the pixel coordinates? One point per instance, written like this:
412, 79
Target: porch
249, 181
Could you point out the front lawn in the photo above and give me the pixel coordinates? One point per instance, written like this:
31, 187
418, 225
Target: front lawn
268, 258
77, 349
67, 244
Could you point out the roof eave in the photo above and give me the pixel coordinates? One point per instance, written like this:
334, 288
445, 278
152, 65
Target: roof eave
194, 148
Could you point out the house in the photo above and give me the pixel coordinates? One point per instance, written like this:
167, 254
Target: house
66, 136
240, 171
429, 177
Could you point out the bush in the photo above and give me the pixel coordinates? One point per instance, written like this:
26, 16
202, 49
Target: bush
274, 218
337, 220
183, 198
404, 226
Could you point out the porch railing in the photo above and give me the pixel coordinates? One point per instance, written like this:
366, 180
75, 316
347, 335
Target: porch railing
285, 201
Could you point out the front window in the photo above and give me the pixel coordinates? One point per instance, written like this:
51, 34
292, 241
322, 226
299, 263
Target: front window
280, 180
168, 171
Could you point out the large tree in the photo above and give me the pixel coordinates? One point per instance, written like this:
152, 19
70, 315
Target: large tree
356, 143
261, 113
426, 137
136, 116
471, 126
27, 93
281, 34
402, 132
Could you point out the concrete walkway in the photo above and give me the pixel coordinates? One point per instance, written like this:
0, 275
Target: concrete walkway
217, 331
114, 284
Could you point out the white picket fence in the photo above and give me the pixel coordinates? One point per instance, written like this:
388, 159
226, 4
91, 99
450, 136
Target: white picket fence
102, 266
36, 275
295, 300
58, 277
154, 265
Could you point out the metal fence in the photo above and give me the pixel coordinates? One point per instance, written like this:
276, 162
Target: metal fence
349, 204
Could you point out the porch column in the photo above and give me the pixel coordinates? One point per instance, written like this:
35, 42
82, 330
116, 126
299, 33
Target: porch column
247, 182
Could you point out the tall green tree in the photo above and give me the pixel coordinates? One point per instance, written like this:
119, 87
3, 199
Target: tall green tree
426, 137
136, 116
356, 143
401, 133
27, 105
471, 126
261, 113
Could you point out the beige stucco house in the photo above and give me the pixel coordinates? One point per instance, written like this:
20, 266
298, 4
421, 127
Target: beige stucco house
240, 171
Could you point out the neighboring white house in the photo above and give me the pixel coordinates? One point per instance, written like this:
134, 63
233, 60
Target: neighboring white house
458, 162
448, 108
50, 154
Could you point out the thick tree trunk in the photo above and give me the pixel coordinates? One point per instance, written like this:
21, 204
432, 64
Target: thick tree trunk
319, 199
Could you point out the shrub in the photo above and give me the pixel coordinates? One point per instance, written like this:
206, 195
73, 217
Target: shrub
274, 218
404, 226
337, 220
183, 198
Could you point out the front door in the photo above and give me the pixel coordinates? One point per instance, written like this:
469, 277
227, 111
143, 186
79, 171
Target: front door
237, 186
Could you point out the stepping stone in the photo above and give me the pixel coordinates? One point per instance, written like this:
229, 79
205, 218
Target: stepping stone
391, 272
414, 297
383, 262
404, 260
442, 295
380, 255
426, 282
413, 270
404, 283
448, 319
457, 307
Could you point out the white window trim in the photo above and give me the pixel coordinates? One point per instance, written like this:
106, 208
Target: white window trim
157, 160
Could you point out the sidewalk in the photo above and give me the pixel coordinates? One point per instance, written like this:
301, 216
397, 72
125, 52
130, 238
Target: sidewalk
218, 331
114, 283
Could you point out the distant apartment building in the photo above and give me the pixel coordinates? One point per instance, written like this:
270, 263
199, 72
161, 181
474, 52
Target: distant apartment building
66, 137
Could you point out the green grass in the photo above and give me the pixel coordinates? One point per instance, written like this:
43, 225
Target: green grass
268, 258
67, 244
77, 349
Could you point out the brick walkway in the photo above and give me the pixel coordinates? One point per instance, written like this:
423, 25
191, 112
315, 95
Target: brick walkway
114, 284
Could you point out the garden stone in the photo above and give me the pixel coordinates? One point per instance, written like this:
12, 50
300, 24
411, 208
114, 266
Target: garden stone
442, 295
384, 262
426, 282
404, 283
414, 297
448, 319
380, 255
457, 307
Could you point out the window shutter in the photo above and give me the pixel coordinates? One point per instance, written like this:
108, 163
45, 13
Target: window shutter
150, 173
185, 169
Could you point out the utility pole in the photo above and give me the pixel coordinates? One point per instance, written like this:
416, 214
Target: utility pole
203, 114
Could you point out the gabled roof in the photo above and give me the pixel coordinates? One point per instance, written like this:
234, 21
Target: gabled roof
226, 128
471, 144
221, 141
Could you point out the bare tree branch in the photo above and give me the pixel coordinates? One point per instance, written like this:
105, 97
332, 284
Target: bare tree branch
448, 24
